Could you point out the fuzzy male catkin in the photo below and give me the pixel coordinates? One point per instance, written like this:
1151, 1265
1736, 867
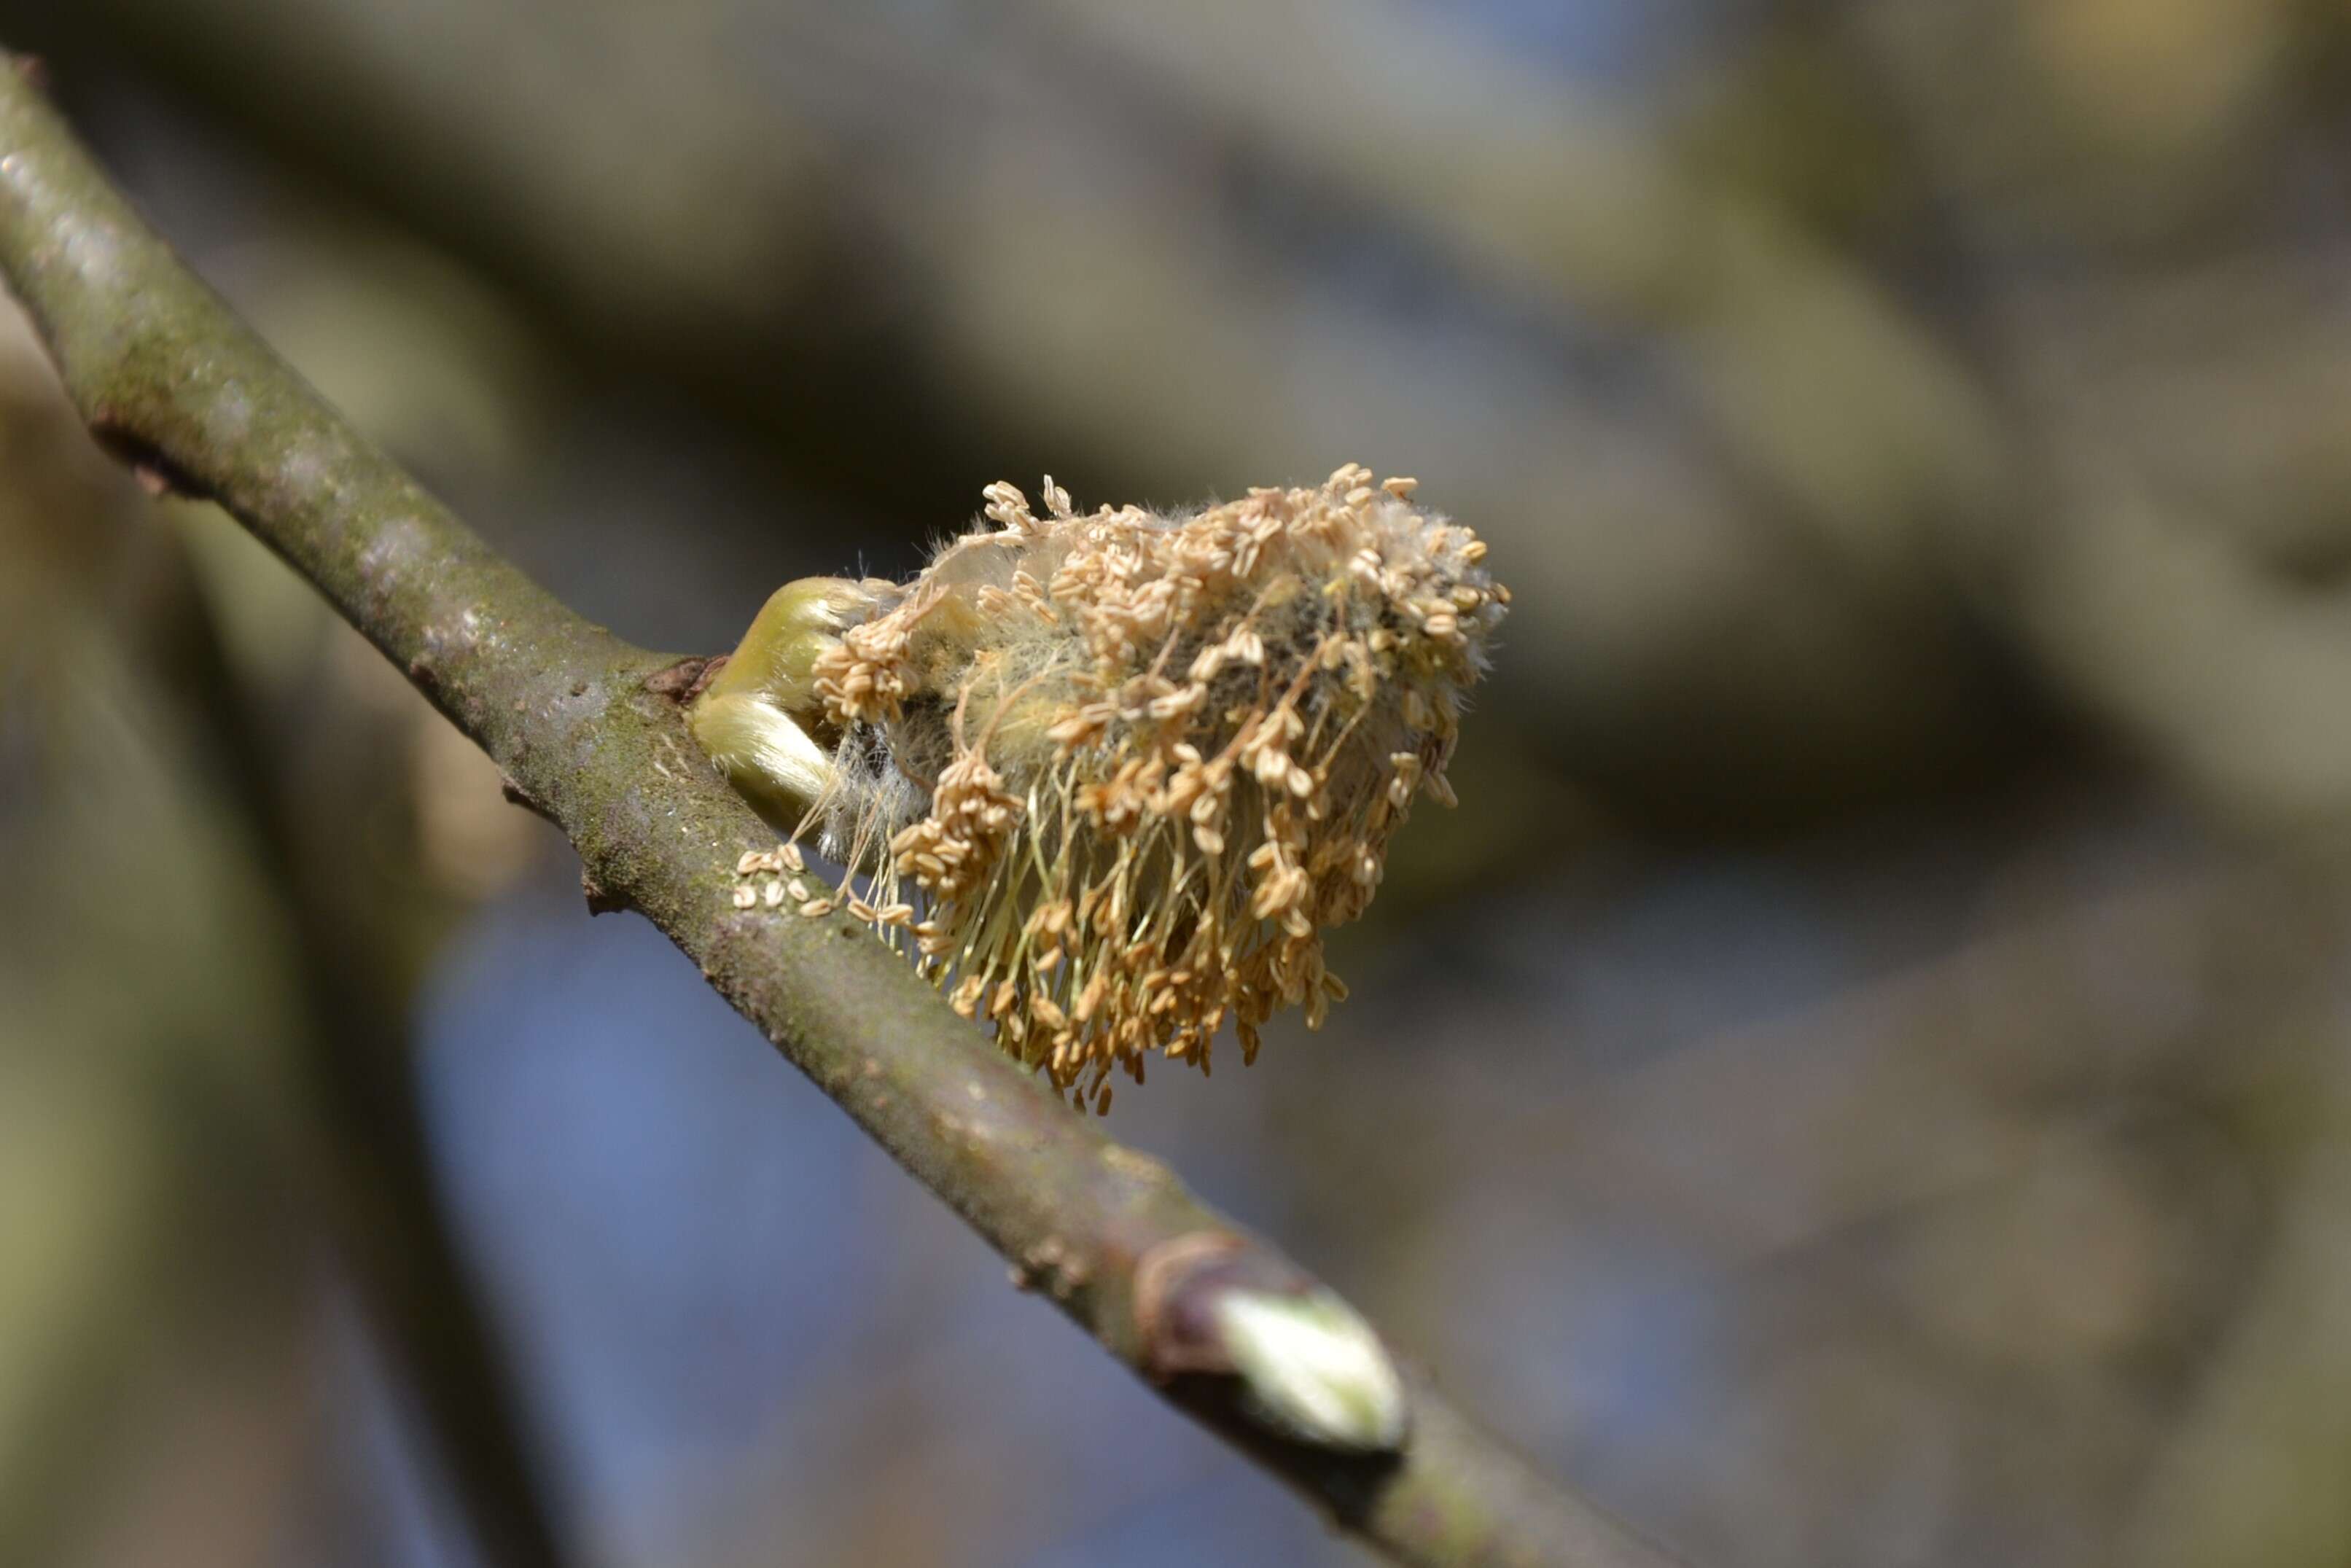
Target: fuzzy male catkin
1110, 776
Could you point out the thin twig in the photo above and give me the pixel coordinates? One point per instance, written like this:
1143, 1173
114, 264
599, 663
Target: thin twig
170, 381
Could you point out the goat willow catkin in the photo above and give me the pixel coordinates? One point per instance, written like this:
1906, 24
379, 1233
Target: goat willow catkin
1110, 776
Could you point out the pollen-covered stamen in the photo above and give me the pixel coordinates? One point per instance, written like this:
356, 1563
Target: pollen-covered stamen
1111, 775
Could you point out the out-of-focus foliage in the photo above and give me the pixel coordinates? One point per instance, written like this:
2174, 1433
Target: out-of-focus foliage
1862, 1081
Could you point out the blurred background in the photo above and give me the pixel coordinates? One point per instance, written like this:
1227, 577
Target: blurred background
1864, 1080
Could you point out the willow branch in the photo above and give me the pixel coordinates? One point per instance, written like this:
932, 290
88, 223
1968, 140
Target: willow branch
588, 730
